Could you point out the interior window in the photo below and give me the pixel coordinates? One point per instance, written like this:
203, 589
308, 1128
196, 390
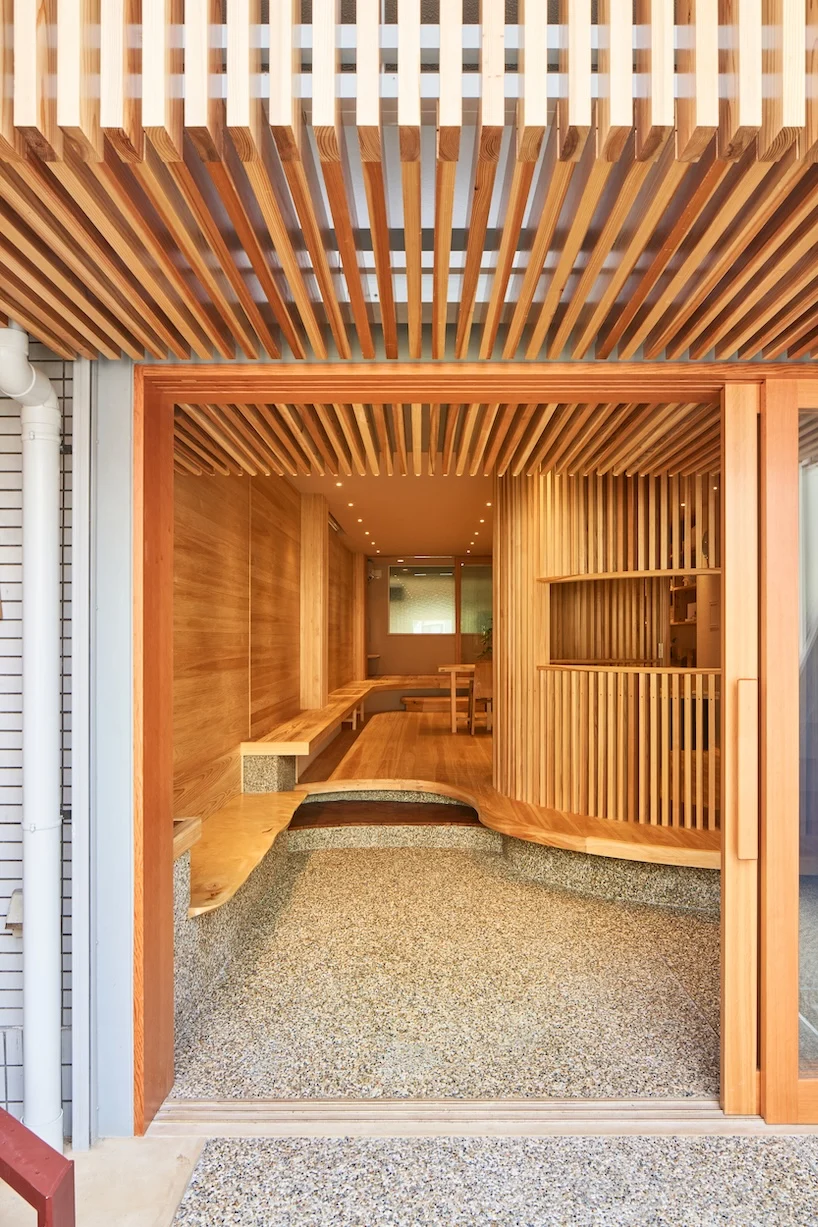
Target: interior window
421, 600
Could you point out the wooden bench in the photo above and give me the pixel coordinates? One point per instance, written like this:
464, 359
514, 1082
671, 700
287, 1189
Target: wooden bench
41, 1175
304, 732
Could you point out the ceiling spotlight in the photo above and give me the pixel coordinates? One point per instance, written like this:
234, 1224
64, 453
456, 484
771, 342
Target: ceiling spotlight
350, 504
488, 504
468, 551
400, 560
482, 521
366, 532
360, 521
377, 551
339, 483
477, 532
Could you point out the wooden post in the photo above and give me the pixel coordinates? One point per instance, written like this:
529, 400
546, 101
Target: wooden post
739, 1027
779, 751
359, 617
314, 600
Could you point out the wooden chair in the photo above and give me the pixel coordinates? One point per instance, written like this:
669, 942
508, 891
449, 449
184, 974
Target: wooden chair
481, 692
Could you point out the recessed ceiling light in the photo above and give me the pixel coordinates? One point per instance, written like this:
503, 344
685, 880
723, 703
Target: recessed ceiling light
339, 483
377, 551
488, 504
360, 521
366, 532
350, 504
482, 521
468, 551
477, 532
400, 560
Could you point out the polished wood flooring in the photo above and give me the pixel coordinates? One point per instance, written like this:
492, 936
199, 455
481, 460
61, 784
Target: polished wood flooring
417, 751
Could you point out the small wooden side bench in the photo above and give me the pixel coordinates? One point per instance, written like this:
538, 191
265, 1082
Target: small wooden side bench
41, 1175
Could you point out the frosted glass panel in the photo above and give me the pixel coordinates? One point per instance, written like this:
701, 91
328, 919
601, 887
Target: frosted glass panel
421, 600
808, 592
475, 599
475, 612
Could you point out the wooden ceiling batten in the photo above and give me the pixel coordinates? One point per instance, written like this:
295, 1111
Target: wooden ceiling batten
206, 206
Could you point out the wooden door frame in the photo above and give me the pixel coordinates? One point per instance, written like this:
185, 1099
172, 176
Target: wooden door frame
786, 1096
157, 389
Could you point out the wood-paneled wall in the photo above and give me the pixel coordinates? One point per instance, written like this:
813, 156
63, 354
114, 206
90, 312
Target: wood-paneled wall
275, 603
341, 624
211, 640
609, 621
237, 564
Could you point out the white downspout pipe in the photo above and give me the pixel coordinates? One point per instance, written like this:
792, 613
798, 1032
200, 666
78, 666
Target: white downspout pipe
42, 870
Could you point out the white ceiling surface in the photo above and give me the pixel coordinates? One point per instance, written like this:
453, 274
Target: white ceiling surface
411, 516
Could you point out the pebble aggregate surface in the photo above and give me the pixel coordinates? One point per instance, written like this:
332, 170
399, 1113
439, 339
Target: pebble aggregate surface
505, 1182
436, 973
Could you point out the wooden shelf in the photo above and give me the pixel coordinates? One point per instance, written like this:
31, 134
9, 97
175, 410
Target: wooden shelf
590, 667
682, 621
664, 573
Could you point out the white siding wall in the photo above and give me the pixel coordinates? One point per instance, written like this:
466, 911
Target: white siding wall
11, 947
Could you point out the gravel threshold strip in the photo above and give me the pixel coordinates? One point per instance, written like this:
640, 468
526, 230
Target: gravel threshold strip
505, 1182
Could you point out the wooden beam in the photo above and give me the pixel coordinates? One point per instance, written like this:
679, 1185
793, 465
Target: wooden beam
488, 138
654, 106
449, 124
783, 107
409, 140
12, 144
574, 112
204, 116
162, 65
368, 122
615, 76
286, 127
697, 107
78, 75
119, 64
740, 66
314, 601
331, 153
35, 65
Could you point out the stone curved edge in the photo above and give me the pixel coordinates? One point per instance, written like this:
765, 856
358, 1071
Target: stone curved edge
619, 844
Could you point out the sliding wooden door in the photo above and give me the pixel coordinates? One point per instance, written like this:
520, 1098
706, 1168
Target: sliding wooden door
789, 742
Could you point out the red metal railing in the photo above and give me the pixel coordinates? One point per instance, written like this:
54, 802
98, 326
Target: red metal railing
41, 1175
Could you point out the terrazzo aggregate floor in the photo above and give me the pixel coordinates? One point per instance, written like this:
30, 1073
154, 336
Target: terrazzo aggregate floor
427, 973
505, 1182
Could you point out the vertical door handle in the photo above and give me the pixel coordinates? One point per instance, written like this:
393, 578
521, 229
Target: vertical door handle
747, 768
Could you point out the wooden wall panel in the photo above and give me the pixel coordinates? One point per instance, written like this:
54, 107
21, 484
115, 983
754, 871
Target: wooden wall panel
314, 601
341, 621
611, 621
211, 640
275, 601
520, 615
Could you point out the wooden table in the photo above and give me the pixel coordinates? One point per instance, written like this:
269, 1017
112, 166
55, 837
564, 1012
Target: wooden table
465, 672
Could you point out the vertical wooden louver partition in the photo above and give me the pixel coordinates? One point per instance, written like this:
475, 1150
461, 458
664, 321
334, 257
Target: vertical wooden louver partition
611, 726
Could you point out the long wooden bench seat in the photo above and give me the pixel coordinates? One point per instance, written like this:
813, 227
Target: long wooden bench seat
304, 732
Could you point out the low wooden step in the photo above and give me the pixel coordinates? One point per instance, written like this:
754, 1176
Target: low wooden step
451, 1118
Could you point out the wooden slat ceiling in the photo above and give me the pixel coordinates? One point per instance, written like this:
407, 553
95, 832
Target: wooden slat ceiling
340, 440
215, 185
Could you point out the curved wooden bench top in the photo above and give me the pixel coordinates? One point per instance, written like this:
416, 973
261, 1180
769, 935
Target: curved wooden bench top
303, 732
409, 751
415, 752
